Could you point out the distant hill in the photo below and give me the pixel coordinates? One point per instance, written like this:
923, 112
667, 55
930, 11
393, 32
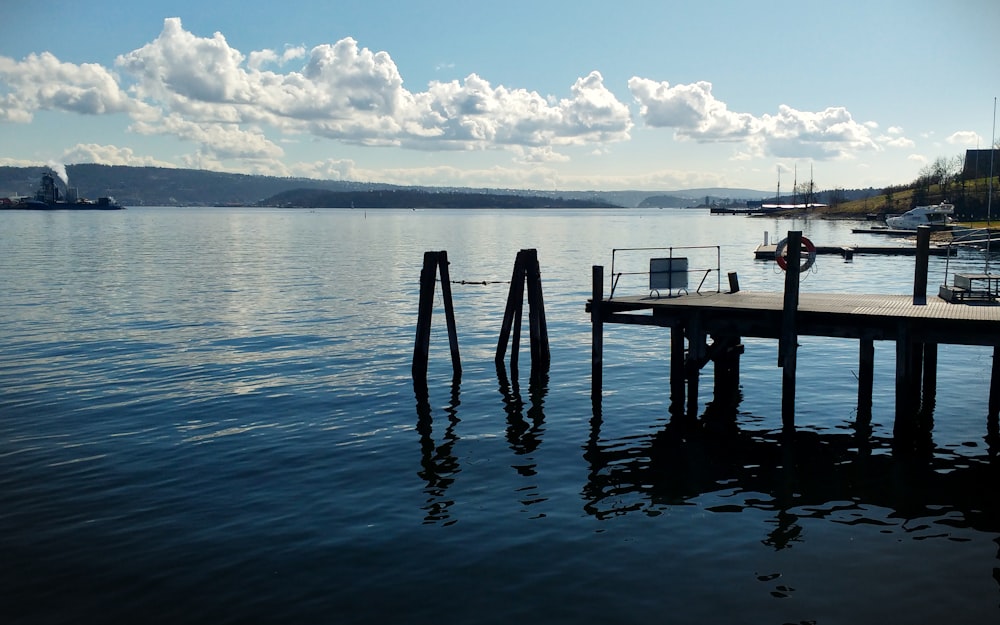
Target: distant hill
416, 198
159, 186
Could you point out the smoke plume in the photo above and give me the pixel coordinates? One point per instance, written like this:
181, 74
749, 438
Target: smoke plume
60, 170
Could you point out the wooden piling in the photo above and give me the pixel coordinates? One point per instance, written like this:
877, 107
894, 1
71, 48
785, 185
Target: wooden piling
526, 273
994, 405
696, 337
993, 411
906, 402
788, 343
921, 264
866, 380
434, 262
538, 328
597, 333
677, 375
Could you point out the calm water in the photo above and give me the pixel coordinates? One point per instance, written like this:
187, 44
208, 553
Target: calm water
207, 416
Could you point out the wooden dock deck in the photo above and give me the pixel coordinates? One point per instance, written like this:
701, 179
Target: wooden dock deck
845, 315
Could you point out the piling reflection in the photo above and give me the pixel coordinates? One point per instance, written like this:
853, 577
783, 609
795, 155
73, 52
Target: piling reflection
438, 463
523, 430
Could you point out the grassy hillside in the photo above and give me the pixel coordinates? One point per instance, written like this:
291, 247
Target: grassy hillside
968, 196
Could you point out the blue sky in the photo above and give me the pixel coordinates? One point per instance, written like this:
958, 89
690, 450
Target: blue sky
540, 94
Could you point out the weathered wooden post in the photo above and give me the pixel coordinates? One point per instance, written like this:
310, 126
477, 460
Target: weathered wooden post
695, 360
920, 267
538, 330
677, 375
433, 262
906, 396
788, 343
597, 333
526, 271
993, 410
866, 380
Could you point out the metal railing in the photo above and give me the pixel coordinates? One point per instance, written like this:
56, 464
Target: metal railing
704, 272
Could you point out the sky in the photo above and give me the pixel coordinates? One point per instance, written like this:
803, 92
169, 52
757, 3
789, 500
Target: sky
652, 95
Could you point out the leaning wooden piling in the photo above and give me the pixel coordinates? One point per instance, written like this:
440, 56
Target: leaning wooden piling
435, 263
526, 274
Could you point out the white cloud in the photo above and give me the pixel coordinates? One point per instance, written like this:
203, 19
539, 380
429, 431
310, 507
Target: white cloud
894, 137
965, 138
237, 108
830, 133
692, 110
42, 82
351, 94
695, 113
108, 155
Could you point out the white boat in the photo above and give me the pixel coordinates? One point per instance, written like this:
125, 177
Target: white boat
935, 216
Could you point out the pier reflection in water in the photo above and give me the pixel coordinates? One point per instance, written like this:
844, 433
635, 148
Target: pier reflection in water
718, 461
836, 477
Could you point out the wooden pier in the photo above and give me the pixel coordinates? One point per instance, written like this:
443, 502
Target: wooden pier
766, 252
917, 324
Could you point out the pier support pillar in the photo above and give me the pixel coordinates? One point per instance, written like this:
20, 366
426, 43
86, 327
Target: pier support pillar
695, 360
726, 358
993, 413
907, 387
677, 375
788, 343
928, 389
866, 381
597, 334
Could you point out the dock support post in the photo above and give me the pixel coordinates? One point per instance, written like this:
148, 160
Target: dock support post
526, 271
906, 396
597, 333
726, 359
734, 282
866, 381
433, 263
993, 411
677, 375
928, 394
788, 343
695, 359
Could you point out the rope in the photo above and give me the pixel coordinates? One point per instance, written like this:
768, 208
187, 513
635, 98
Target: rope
480, 282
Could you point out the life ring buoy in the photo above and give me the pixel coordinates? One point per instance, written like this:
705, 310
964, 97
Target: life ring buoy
806, 246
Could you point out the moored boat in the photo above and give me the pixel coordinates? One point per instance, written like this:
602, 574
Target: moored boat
937, 216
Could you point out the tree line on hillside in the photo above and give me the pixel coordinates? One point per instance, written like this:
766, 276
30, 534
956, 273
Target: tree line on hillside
957, 180
414, 198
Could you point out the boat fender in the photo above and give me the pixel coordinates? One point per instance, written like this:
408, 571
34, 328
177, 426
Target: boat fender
807, 247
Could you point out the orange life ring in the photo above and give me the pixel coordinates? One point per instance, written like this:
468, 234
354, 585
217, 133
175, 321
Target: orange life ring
806, 246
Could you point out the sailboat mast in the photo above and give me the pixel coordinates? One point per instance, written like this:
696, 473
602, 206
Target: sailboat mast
795, 185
